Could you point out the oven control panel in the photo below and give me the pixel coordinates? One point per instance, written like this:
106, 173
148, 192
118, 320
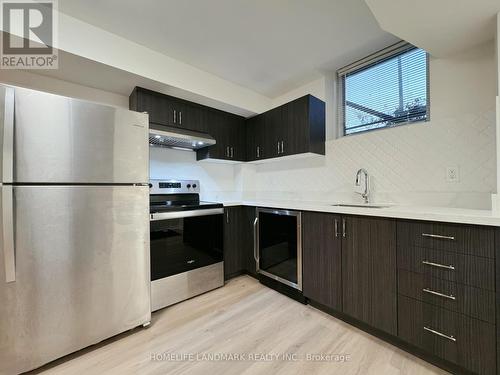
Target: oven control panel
174, 186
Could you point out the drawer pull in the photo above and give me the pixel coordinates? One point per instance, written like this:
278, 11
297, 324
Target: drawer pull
438, 236
437, 333
449, 296
426, 262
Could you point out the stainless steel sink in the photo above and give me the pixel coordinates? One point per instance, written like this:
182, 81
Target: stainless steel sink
365, 205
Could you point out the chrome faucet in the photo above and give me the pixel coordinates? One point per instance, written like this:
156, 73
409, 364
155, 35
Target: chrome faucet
366, 193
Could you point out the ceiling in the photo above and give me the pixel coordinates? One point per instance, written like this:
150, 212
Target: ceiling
79, 70
440, 27
269, 46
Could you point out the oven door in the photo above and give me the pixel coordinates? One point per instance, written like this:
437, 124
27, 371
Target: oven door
278, 245
185, 240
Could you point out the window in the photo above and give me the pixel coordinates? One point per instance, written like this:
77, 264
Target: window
386, 89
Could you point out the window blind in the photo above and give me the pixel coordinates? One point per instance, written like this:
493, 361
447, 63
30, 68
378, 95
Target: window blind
386, 89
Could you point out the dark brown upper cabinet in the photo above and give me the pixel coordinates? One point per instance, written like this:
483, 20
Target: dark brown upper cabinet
158, 107
169, 111
227, 129
255, 128
229, 132
297, 127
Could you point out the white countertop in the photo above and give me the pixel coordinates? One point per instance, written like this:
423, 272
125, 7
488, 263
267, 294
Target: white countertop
444, 214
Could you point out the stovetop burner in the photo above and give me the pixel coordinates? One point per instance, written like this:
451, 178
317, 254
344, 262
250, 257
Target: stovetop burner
177, 195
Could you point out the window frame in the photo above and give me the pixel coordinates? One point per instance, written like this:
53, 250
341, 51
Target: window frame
365, 63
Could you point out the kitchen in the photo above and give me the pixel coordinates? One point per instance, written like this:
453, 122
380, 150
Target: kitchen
303, 197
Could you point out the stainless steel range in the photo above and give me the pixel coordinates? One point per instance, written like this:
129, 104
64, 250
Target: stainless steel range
186, 242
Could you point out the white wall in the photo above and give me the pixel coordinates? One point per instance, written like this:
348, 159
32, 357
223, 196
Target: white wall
218, 181
56, 86
408, 164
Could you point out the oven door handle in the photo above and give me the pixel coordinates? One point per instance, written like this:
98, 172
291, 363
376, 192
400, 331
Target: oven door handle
256, 242
185, 214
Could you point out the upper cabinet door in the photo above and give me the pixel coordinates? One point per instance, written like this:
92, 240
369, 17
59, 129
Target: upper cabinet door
229, 132
190, 117
295, 129
304, 126
322, 258
253, 152
269, 133
256, 138
238, 138
369, 271
63, 140
158, 107
168, 111
218, 127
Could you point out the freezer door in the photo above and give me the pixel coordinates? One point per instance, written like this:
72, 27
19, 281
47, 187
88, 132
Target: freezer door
56, 139
82, 270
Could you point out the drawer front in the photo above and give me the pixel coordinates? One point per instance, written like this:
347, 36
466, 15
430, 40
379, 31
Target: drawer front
459, 238
464, 269
474, 302
467, 342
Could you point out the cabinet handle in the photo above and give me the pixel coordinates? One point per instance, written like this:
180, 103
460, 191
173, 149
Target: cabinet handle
438, 236
278, 147
437, 333
227, 216
343, 228
227, 151
256, 242
180, 117
258, 151
449, 296
282, 147
336, 228
175, 116
438, 265
232, 152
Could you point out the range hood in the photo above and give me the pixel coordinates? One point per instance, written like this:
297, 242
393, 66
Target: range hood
179, 138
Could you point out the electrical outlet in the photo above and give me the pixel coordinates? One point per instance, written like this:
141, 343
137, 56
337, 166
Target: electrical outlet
452, 174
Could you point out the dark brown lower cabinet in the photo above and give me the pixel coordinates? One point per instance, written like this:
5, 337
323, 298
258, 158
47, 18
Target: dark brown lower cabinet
238, 241
464, 269
248, 217
369, 271
349, 265
322, 259
467, 342
465, 299
433, 285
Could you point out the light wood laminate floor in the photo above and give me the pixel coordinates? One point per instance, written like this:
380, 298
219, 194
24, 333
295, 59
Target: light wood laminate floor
243, 318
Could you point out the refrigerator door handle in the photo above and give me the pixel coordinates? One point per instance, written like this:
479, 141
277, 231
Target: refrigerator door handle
8, 135
9, 251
